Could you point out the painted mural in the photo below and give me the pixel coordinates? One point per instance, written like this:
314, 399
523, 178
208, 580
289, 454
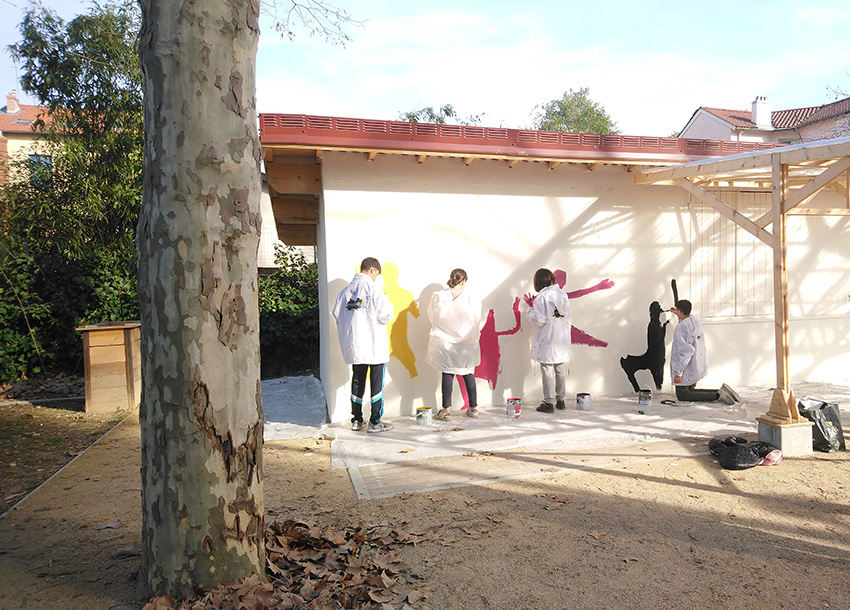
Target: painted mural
404, 305
489, 368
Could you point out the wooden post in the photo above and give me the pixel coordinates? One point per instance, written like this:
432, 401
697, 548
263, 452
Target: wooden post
780, 277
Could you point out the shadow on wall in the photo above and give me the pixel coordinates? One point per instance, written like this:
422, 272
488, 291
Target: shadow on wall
636, 237
339, 370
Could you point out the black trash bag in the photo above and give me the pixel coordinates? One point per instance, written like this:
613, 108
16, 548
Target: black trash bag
827, 435
736, 453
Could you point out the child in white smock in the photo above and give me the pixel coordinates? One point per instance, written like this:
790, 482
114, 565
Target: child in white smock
453, 341
549, 314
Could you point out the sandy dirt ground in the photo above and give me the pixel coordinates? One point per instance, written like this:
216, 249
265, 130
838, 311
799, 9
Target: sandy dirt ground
667, 533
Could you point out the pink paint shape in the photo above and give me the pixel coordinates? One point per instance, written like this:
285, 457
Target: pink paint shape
603, 285
491, 356
463, 392
577, 335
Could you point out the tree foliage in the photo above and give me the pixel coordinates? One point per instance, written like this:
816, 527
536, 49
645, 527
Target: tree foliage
289, 315
67, 233
575, 112
445, 114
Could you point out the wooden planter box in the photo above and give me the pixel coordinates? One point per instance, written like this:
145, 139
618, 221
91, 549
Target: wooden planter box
113, 366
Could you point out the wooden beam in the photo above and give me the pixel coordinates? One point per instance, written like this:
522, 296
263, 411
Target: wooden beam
295, 211
373, 155
809, 190
816, 212
730, 213
816, 184
512, 162
554, 164
421, 159
295, 178
795, 154
780, 275
297, 235
592, 166
467, 161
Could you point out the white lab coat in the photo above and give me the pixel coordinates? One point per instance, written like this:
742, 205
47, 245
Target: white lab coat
362, 312
688, 356
453, 342
550, 318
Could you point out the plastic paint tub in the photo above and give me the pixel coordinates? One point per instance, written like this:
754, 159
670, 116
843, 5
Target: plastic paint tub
583, 401
645, 397
423, 416
514, 407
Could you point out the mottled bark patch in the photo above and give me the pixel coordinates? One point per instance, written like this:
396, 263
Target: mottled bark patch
233, 315
232, 98
236, 148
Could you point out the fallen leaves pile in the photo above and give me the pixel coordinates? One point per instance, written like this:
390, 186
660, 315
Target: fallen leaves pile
312, 568
45, 386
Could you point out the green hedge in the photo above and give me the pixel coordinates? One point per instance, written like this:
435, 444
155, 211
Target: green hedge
289, 316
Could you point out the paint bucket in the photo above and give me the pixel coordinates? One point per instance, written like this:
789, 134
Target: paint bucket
423, 416
514, 407
645, 397
583, 401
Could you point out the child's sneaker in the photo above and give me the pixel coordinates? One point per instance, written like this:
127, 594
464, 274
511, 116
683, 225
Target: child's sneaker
357, 426
472, 412
546, 407
732, 393
560, 405
381, 426
442, 415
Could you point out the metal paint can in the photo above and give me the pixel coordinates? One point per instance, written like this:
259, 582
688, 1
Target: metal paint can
645, 397
583, 401
423, 416
514, 407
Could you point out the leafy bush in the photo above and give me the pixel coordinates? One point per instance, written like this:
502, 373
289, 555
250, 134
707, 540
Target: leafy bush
289, 316
22, 314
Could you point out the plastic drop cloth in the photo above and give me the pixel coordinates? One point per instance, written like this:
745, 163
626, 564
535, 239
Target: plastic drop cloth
453, 343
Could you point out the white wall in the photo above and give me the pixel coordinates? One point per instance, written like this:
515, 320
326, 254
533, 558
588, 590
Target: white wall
502, 224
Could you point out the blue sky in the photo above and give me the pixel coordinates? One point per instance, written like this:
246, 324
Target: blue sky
650, 64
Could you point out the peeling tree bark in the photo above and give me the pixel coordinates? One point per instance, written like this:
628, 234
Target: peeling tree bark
201, 413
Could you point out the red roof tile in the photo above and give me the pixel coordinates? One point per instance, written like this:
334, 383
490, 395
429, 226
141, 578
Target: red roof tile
784, 119
21, 122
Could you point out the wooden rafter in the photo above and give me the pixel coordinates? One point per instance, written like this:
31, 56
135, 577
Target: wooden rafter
810, 189
730, 213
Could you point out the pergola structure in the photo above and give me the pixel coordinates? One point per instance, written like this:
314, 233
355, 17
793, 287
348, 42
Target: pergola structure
793, 175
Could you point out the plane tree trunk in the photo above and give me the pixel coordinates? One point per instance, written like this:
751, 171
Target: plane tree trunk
201, 412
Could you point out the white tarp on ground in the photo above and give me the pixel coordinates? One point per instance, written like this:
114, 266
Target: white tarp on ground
294, 407
611, 421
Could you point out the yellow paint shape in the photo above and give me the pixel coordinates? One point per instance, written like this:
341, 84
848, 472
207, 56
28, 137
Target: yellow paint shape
403, 304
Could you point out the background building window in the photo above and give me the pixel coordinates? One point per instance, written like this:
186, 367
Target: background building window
41, 168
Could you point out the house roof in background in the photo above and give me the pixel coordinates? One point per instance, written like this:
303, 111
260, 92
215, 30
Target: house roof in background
783, 119
23, 121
